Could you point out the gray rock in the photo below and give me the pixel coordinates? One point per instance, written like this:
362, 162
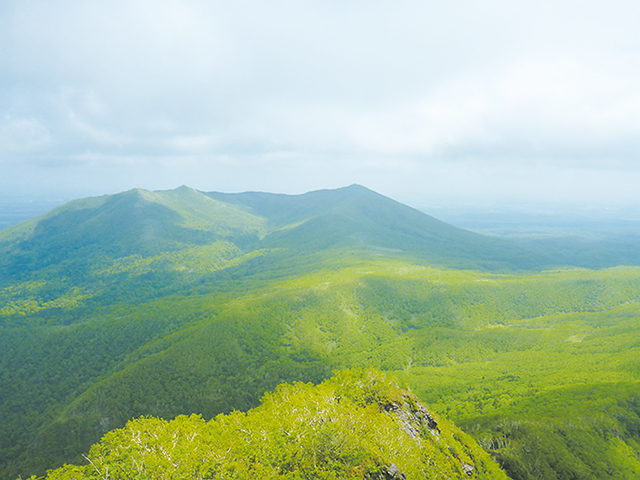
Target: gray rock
389, 473
414, 417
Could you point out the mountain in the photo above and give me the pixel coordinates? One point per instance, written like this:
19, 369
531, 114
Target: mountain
133, 222
68, 239
182, 302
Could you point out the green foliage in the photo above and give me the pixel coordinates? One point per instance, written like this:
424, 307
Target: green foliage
471, 344
588, 432
357, 425
172, 303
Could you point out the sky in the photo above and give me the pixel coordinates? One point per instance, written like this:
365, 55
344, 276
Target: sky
451, 103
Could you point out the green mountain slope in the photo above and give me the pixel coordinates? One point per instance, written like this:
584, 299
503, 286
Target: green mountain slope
135, 222
74, 238
180, 302
357, 217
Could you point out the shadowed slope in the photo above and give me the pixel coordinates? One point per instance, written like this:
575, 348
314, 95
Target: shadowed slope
360, 218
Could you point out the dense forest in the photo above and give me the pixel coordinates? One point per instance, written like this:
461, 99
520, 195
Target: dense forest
175, 311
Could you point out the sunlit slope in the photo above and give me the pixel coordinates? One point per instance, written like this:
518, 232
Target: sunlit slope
481, 348
89, 231
357, 425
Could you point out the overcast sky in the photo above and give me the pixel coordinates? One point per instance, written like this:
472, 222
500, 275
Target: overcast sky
429, 102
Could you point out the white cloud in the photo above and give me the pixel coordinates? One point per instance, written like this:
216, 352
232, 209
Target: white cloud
380, 93
24, 135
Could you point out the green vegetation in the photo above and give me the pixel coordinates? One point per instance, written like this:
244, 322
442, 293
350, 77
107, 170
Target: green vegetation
358, 424
135, 305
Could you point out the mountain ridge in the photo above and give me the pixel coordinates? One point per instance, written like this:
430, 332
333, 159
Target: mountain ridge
146, 223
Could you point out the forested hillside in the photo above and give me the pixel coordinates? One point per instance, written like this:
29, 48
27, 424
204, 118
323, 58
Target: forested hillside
177, 303
356, 425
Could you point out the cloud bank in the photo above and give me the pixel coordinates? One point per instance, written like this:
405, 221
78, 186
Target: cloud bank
427, 102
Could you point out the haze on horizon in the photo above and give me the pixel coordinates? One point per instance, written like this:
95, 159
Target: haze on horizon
433, 104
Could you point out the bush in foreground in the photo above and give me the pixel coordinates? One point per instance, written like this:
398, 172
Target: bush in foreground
356, 425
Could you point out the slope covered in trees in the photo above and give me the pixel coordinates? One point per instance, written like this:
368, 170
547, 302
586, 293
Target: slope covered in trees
357, 425
173, 303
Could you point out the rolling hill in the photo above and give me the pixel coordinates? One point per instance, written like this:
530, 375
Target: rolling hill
178, 302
